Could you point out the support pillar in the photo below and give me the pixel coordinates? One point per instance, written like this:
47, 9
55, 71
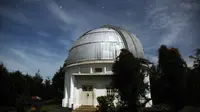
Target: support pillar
71, 98
66, 91
104, 70
91, 71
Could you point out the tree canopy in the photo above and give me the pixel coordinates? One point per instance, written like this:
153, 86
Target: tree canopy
128, 78
18, 85
172, 82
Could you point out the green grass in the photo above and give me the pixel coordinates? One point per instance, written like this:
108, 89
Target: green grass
50, 108
6, 108
52, 102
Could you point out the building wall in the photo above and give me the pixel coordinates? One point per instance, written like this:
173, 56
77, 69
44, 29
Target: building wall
72, 87
99, 84
77, 75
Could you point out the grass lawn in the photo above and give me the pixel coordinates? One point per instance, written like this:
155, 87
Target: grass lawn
6, 108
50, 108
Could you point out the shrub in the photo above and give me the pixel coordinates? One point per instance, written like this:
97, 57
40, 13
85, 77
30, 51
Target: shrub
106, 104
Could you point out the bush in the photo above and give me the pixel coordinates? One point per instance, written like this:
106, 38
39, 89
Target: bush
106, 104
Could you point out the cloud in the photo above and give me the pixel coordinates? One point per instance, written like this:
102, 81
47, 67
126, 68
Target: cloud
13, 15
171, 25
163, 22
29, 60
60, 14
20, 53
41, 55
43, 34
65, 42
173, 37
152, 58
189, 5
46, 53
169, 21
32, 0
151, 12
189, 61
186, 5
71, 21
47, 66
14, 64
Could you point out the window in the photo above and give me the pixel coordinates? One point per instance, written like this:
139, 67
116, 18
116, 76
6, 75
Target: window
108, 69
98, 70
87, 88
85, 70
110, 91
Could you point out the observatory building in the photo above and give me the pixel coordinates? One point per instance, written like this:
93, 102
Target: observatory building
88, 67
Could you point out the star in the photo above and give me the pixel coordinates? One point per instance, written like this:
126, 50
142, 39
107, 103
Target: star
60, 6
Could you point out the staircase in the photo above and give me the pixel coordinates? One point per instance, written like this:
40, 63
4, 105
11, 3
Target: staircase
85, 108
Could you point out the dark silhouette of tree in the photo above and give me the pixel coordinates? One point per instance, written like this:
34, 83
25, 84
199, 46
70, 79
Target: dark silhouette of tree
17, 88
37, 82
155, 84
18, 83
58, 83
4, 85
29, 84
193, 85
196, 58
172, 80
48, 89
128, 78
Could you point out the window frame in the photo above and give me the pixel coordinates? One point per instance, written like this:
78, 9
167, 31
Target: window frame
87, 88
100, 70
110, 91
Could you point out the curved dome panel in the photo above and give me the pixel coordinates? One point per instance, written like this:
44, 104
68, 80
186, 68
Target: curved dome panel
104, 43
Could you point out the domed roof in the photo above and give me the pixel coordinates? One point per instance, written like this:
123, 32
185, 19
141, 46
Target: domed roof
104, 43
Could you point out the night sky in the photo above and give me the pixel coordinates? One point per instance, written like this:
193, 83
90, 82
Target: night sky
37, 34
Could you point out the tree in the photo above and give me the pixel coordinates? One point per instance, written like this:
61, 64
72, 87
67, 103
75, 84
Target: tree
48, 89
106, 103
193, 84
58, 82
128, 78
4, 85
16, 87
155, 84
18, 82
173, 69
29, 84
196, 58
37, 88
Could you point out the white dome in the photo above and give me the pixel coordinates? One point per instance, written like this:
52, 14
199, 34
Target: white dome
104, 43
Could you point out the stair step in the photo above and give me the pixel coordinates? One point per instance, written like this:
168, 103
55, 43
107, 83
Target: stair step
82, 111
85, 108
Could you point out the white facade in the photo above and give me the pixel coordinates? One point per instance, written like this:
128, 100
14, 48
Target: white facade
84, 75
88, 69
